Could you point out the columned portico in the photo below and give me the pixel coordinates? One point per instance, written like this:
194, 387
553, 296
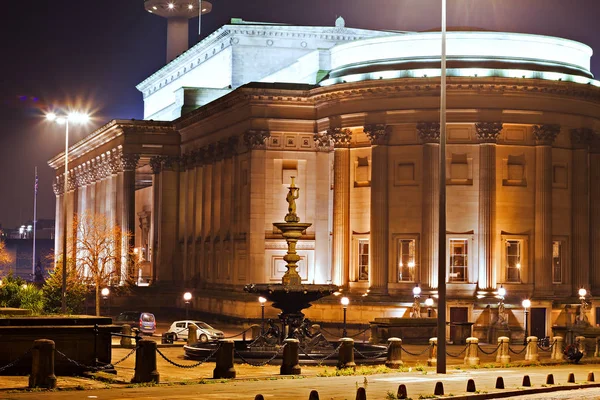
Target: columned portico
595, 213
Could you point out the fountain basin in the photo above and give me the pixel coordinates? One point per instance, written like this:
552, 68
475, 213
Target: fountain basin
291, 299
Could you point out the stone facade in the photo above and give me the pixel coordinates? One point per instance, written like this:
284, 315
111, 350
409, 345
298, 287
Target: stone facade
523, 170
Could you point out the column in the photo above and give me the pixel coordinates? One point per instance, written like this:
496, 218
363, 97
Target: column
487, 134
58, 225
199, 207
379, 238
580, 205
255, 142
544, 137
323, 165
429, 133
217, 237
341, 204
128, 216
595, 214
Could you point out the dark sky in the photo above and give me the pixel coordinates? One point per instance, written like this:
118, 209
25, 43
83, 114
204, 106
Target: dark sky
88, 53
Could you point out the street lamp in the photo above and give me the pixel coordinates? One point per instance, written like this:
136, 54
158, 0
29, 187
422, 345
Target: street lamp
74, 117
262, 302
187, 297
345, 301
429, 304
416, 308
526, 304
583, 308
105, 292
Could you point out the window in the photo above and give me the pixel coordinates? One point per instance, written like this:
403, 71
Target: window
557, 252
513, 261
363, 259
406, 260
459, 258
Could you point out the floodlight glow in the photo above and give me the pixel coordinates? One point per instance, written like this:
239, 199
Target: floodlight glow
171, 6
51, 117
429, 302
345, 301
582, 292
501, 291
154, 8
187, 296
204, 10
526, 303
190, 7
105, 292
78, 117
262, 300
416, 290
411, 264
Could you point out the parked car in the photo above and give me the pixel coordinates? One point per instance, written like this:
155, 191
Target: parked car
205, 332
144, 321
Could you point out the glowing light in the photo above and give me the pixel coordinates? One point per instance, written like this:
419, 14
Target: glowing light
51, 116
61, 120
518, 265
501, 291
526, 303
345, 301
171, 6
204, 10
411, 264
78, 117
262, 300
190, 7
154, 8
187, 296
105, 292
582, 292
429, 302
416, 290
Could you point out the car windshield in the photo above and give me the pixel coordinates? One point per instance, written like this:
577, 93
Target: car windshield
202, 325
128, 316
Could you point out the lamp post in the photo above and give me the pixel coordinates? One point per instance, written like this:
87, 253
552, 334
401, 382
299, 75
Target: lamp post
105, 292
429, 304
416, 308
262, 302
583, 307
75, 117
345, 301
526, 304
187, 298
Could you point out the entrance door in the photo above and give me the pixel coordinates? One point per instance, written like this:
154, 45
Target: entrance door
458, 315
538, 322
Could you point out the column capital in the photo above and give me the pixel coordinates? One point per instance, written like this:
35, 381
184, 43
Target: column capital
255, 139
545, 134
488, 132
341, 136
429, 132
170, 163
156, 164
377, 133
583, 137
323, 141
229, 146
129, 161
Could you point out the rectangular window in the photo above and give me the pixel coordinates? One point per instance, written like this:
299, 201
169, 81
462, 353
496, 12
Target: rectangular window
406, 260
363, 259
459, 260
513, 261
557, 261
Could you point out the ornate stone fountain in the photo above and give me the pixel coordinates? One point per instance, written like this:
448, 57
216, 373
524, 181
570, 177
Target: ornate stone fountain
291, 296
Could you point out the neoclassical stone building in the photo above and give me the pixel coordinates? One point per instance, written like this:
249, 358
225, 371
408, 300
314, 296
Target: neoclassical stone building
354, 116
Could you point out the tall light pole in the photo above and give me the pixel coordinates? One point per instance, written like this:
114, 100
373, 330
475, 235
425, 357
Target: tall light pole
187, 297
345, 301
105, 292
75, 117
262, 302
526, 304
429, 304
441, 321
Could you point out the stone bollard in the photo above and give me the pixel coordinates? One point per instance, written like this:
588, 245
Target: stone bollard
314, 395
499, 382
591, 377
192, 338
557, 354
580, 340
259, 397
550, 379
290, 365
126, 330
256, 331
526, 381
503, 357
439, 389
224, 367
402, 393
394, 353
145, 362
361, 394
472, 356
346, 354
432, 360
471, 386
531, 353
42, 365
597, 351
571, 378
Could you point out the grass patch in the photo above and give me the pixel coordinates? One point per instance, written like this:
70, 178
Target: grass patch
362, 370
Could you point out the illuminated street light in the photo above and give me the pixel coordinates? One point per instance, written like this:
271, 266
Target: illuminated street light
105, 292
416, 307
345, 301
262, 302
526, 304
77, 118
429, 304
187, 298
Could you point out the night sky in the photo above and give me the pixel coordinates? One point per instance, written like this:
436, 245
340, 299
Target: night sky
83, 53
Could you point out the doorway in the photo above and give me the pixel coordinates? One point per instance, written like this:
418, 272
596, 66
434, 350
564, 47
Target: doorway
460, 329
538, 322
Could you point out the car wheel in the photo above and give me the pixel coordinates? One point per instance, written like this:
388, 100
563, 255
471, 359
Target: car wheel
203, 338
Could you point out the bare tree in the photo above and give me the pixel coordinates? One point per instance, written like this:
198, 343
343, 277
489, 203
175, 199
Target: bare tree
5, 257
98, 250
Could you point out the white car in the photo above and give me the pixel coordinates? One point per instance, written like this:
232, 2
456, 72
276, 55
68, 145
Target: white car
205, 332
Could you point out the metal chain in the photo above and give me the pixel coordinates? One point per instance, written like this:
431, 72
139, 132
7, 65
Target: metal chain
517, 352
320, 360
330, 333
77, 363
16, 361
261, 363
360, 333
491, 352
415, 354
547, 349
239, 334
378, 355
126, 357
458, 355
187, 366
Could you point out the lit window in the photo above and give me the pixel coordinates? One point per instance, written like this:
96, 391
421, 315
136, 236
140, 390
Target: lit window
557, 261
459, 258
513, 261
406, 260
363, 259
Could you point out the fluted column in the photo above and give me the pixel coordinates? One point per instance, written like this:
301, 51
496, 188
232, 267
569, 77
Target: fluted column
429, 134
580, 203
58, 226
379, 240
341, 204
487, 134
544, 137
129, 165
595, 214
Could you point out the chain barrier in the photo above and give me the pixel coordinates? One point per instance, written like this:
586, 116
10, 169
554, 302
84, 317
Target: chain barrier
547, 349
260, 364
348, 336
491, 352
330, 333
360, 333
320, 360
188, 366
459, 354
239, 334
16, 361
415, 354
126, 357
518, 352
378, 355
77, 363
